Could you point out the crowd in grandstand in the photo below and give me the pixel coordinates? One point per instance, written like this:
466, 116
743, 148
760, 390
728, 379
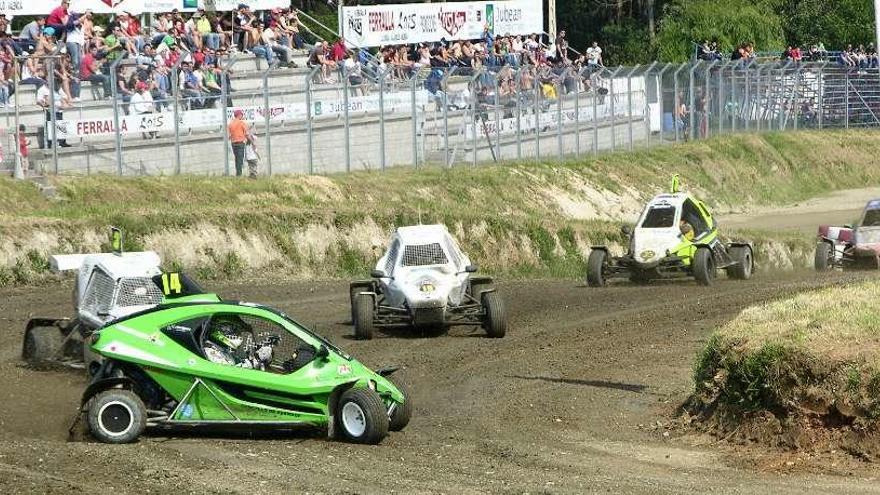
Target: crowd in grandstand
71, 48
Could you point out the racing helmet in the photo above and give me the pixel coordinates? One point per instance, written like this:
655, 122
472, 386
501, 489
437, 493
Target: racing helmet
227, 334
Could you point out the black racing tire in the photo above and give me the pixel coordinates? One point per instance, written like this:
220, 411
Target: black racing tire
42, 345
361, 416
116, 416
596, 264
403, 413
824, 252
353, 293
495, 321
745, 263
704, 266
364, 314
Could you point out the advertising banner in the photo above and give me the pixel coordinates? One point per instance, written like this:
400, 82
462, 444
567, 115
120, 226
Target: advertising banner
198, 119
376, 25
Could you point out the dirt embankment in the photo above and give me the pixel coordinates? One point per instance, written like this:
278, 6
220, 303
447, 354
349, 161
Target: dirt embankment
801, 373
515, 219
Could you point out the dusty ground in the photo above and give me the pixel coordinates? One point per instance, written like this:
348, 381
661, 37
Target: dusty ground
577, 398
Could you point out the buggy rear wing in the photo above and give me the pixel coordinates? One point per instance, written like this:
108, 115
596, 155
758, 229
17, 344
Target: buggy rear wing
67, 262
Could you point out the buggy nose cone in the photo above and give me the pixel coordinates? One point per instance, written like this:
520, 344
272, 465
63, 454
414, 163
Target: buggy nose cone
428, 302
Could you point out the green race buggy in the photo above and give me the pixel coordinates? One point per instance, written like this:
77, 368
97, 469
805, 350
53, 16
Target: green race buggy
198, 360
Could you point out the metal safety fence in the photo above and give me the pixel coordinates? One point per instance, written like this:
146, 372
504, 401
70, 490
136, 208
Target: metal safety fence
324, 120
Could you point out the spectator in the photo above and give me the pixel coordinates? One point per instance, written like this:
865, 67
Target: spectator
211, 81
290, 27
142, 104
90, 70
847, 57
160, 26
75, 41
31, 73
191, 86
681, 115
594, 56
240, 138
61, 102
124, 90
191, 32
70, 84
814, 55
58, 17
23, 152
260, 48
318, 57
6, 88
561, 45
205, 30
30, 34
271, 40
796, 54
338, 50
251, 155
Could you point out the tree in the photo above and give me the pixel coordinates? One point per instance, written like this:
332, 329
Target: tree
729, 23
835, 24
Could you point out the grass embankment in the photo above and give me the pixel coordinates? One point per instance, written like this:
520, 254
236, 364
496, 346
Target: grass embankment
802, 372
518, 219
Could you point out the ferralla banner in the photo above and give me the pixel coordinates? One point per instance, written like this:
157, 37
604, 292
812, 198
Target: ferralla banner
43, 7
376, 25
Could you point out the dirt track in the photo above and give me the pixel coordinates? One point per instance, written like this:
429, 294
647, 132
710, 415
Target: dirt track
577, 398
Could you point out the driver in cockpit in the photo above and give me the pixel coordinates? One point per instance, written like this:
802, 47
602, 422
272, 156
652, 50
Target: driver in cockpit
228, 342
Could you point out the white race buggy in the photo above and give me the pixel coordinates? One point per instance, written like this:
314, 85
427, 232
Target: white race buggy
424, 281
675, 236
108, 286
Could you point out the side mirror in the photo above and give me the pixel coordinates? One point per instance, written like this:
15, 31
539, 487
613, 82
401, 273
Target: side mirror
847, 226
471, 269
323, 352
626, 230
378, 274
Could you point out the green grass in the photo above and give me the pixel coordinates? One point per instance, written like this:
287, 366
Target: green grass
822, 346
509, 216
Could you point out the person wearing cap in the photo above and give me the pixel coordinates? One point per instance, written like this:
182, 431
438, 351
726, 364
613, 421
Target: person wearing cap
141, 104
240, 139
46, 43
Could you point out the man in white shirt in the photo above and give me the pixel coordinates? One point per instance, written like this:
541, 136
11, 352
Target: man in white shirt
61, 102
270, 38
594, 56
142, 103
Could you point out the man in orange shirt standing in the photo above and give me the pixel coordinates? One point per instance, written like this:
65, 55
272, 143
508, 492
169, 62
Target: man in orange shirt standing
238, 136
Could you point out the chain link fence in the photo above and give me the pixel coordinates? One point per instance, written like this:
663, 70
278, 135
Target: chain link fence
326, 120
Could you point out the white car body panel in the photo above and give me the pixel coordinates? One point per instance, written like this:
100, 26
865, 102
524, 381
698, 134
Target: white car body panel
98, 297
406, 284
650, 245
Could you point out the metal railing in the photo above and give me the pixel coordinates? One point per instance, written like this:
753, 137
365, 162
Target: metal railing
318, 122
